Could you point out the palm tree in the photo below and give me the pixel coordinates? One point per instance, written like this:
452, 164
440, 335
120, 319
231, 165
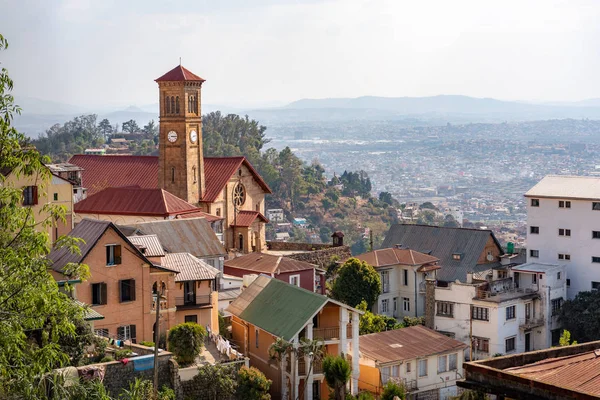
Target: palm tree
337, 372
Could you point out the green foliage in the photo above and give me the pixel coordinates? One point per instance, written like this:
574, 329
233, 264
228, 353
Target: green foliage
581, 316
105, 128
122, 353
224, 326
356, 184
412, 321
106, 359
337, 371
565, 339
252, 385
356, 281
147, 343
428, 205
131, 126
365, 396
392, 389
142, 389
373, 323
186, 340
471, 395
217, 381
386, 197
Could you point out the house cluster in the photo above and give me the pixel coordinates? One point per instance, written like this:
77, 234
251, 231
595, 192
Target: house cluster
183, 236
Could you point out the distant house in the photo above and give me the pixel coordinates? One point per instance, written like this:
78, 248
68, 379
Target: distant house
72, 173
403, 273
460, 250
269, 309
425, 361
275, 215
294, 272
300, 222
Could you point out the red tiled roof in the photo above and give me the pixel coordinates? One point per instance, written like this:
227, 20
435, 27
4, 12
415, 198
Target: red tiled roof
393, 256
179, 74
100, 172
134, 201
246, 218
267, 263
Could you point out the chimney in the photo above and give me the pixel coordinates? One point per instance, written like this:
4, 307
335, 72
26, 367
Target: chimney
430, 303
338, 239
469, 277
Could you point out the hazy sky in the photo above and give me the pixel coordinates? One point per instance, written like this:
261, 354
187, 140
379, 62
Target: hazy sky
100, 52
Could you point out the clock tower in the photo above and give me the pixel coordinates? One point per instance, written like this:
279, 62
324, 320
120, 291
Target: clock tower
181, 160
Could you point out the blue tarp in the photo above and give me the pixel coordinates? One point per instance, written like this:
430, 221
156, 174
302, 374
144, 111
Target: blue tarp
143, 363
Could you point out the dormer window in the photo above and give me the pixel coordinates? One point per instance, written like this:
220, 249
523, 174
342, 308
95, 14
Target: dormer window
113, 254
456, 256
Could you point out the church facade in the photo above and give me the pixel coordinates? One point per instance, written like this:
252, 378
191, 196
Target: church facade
226, 187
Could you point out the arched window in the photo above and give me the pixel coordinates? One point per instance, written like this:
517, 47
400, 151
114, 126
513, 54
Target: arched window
241, 239
194, 173
154, 288
172, 174
172, 104
177, 105
195, 105
167, 105
190, 104
163, 288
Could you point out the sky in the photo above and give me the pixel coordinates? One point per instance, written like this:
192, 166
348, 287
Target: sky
93, 53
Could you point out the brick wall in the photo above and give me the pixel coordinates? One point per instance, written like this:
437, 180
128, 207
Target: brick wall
322, 257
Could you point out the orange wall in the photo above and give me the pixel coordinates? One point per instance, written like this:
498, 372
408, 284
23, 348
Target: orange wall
329, 316
369, 379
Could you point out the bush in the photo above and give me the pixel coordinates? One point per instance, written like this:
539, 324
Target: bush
107, 359
252, 385
186, 340
121, 354
391, 389
146, 343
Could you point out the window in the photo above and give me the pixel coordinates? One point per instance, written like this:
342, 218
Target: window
534, 278
509, 344
126, 332
218, 212
385, 374
101, 332
98, 293
556, 305
556, 336
452, 361
445, 309
167, 105
510, 312
395, 305
406, 304
595, 234
385, 281
442, 364
405, 277
239, 195
595, 259
564, 256
482, 345
596, 205
384, 306
595, 285
256, 337
191, 318
534, 253
172, 174
564, 232
480, 313
127, 290
534, 229
564, 204
55, 196
177, 105
568, 282
113, 254
558, 276
395, 371
422, 368
30, 195
535, 202
194, 174
408, 367
456, 256
295, 280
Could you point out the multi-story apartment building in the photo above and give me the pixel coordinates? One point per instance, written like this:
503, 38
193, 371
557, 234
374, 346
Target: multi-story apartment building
563, 226
510, 309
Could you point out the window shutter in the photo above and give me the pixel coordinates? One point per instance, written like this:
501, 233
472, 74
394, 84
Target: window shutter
132, 289
118, 254
120, 332
107, 255
93, 286
121, 291
34, 195
132, 333
103, 293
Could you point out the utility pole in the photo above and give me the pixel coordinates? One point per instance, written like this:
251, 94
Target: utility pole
471, 333
156, 330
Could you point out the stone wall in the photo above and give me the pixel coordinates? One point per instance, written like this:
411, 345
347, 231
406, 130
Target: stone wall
322, 258
291, 246
430, 303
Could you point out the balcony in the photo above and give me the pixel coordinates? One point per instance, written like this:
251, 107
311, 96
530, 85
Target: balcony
508, 293
163, 303
317, 367
193, 301
331, 333
530, 323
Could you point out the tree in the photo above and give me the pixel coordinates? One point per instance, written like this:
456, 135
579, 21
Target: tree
391, 390
105, 127
34, 315
581, 316
450, 222
386, 197
428, 205
356, 281
131, 126
186, 340
252, 385
565, 339
337, 371
215, 382
150, 130
373, 323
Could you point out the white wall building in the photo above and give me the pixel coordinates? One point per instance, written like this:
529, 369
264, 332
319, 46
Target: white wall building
506, 310
563, 226
275, 215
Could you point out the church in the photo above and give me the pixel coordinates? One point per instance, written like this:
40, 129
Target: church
225, 187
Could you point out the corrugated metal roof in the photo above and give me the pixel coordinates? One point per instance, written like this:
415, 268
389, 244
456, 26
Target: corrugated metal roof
179, 74
246, 218
580, 372
134, 201
442, 242
267, 263
406, 344
89, 313
394, 256
200, 214
229, 294
567, 187
219, 170
276, 307
149, 244
190, 268
194, 236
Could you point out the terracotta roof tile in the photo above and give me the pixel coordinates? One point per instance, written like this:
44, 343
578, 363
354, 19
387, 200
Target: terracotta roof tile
179, 74
266, 263
246, 218
394, 256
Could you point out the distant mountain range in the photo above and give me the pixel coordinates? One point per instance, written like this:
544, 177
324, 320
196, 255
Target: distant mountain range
38, 115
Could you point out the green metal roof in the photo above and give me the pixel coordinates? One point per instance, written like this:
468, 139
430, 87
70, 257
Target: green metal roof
277, 307
89, 313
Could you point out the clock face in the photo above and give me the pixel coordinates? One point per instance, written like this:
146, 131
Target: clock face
193, 136
172, 136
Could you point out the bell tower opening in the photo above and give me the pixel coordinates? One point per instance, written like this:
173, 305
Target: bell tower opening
181, 160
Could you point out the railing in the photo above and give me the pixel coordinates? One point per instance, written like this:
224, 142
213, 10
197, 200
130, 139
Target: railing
331, 333
163, 303
198, 300
317, 367
529, 323
486, 294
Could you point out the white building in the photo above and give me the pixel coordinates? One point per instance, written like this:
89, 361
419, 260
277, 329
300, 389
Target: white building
563, 226
511, 309
456, 212
275, 215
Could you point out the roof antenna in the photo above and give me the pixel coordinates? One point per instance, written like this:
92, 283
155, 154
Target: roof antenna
180, 61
